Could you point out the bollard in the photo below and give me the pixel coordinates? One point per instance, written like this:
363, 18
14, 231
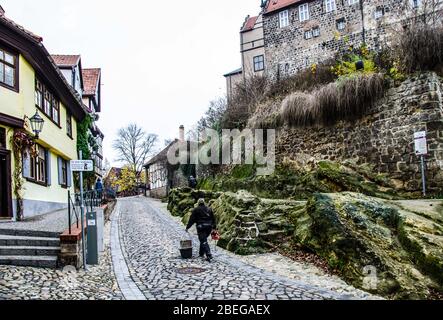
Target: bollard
92, 252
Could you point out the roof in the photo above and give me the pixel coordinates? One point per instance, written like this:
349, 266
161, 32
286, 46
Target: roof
275, 5
91, 79
19, 27
31, 47
249, 24
66, 61
232, 73
162, 155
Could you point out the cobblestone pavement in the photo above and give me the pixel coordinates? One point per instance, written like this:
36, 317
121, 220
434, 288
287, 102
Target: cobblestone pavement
150, 240
24, 283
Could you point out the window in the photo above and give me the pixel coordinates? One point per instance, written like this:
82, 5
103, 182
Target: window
69, 124
330, 5
2, 138
8, 70
379, 12
341, 24
303, 12
47, 102
55, 110
308, 34
259, 63
38, 94
352, 2
416, 4
37, 165
284, 18
316, 32
64, 172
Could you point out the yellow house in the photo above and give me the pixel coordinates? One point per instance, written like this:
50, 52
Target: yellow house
30, 81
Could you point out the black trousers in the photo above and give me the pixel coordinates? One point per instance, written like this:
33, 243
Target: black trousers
203, 234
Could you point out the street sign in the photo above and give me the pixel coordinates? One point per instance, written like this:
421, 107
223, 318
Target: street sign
421, 149
421, 143
82, 165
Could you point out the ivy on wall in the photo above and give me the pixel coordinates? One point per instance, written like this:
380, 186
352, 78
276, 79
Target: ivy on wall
21, 142
86, 143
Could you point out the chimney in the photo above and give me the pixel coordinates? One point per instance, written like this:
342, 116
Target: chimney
2, 11
181, 135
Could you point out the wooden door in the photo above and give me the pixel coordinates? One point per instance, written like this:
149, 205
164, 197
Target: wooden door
5, 185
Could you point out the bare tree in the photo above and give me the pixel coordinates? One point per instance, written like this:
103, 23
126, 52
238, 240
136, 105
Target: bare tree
134, 146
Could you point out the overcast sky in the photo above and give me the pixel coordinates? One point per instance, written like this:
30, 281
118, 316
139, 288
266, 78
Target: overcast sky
162, 61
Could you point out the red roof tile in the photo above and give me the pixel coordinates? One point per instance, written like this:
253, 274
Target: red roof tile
91, 79
274, 5
63, 60
19, 27
249, 24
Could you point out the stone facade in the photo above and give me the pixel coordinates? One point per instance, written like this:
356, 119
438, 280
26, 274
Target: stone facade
384, 137
301, 44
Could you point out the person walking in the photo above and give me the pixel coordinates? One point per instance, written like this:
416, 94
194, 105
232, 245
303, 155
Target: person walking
192, 182
99, 188
204, 218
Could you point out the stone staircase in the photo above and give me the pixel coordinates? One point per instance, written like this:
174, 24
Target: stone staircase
29, 248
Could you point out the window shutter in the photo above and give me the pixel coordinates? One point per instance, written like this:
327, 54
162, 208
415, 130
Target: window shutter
68, 166
48, 167
59, 165
26, 164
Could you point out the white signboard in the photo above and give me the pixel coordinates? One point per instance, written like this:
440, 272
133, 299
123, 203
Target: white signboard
421, 143
82, 165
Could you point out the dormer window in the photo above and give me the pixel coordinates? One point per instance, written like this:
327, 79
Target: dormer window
8, 70
284, 18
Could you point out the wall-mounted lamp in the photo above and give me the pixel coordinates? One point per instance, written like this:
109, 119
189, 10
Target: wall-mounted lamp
37, 123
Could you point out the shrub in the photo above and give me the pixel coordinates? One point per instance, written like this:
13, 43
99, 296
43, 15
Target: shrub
305, 80
346, 99
419, 48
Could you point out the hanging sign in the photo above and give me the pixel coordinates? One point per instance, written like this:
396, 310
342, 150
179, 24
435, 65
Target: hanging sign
82, 165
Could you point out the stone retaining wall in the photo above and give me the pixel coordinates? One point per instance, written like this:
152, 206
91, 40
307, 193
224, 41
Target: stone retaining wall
384, 136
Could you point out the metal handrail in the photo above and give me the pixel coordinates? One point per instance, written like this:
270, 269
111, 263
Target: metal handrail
72, 208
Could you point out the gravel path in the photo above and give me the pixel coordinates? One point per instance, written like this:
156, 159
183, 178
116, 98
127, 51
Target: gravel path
150, 238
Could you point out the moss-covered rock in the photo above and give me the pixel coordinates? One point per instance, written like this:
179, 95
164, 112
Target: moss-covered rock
299, 182
402, 241
354, 232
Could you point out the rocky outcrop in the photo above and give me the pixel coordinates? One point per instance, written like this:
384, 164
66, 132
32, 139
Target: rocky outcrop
391, 248
299, 180
356, 233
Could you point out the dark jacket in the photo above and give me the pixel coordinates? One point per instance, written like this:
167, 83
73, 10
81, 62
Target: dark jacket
202, 216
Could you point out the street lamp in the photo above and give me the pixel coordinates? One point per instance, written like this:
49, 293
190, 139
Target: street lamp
37, 123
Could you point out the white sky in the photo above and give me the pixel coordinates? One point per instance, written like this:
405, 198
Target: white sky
162, 61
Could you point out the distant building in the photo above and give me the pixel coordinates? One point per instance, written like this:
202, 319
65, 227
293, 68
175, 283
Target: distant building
252, 54
161, 176
300, 33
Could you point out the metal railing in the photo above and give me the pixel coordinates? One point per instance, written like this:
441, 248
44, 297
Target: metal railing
72, 210
91, 200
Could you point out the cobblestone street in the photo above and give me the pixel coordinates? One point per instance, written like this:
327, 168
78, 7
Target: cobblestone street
142, 261
25, 283
150, 239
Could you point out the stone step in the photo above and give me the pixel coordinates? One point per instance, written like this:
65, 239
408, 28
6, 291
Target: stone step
28, 233
28, 251
29, 261
28, 241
